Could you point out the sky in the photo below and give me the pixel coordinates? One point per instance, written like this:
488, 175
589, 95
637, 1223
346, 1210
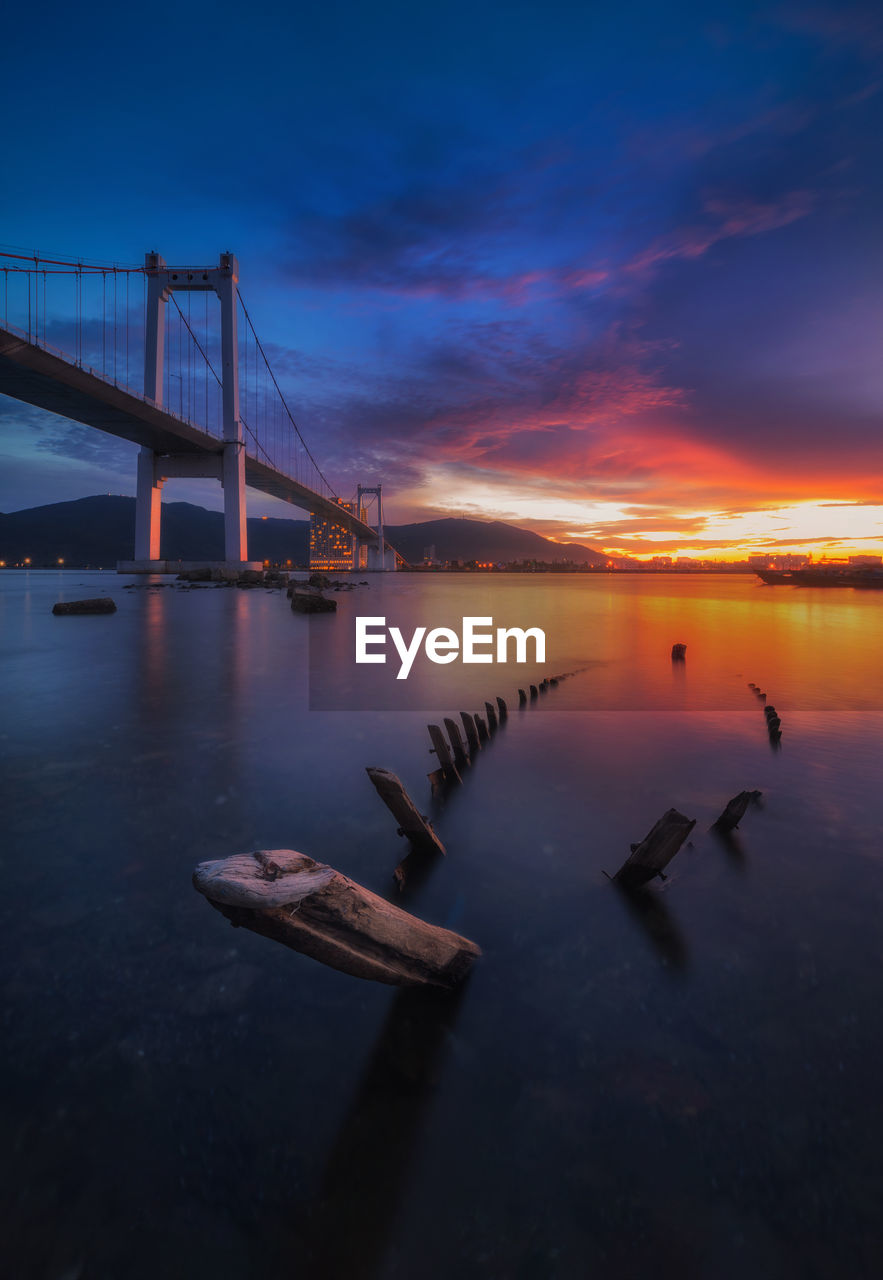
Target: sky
609, 272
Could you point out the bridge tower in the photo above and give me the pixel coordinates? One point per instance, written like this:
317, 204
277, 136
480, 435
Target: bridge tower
228, 465
380, 556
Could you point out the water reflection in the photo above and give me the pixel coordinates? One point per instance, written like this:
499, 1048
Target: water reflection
649, 910
348, 1226
732, 845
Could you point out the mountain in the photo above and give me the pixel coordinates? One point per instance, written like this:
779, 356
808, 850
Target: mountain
461, 539
101, 530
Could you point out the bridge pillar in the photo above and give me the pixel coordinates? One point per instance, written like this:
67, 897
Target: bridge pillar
155, 326
235, 529
380, 557
235, 534
148, 508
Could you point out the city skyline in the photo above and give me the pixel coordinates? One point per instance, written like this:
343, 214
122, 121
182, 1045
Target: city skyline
610, 277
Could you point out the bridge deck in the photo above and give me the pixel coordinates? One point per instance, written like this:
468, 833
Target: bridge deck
40, 377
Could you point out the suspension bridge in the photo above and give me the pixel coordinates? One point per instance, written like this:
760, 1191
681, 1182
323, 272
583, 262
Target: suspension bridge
188, 381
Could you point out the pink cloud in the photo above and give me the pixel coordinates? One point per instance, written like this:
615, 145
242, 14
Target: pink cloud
736, 218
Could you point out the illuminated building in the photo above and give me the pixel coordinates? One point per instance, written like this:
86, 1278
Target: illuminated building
331, 545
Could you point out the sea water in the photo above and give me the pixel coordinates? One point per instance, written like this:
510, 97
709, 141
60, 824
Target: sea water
681, 1085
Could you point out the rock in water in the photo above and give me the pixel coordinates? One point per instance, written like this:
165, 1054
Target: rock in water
311, 602
101, 604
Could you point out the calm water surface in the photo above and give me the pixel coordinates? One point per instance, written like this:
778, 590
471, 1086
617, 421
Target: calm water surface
683, 1087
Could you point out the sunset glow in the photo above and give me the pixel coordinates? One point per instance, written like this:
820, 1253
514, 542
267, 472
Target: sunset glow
637, 308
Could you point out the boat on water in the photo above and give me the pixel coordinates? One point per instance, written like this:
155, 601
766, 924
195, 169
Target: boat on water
870, 578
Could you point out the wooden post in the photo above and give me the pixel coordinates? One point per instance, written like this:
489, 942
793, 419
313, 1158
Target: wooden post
412, 824
735, 810
504, 710
522, 698
544, 686
480, 725
656, 850
471, 732
440, 747
460, 754
312, 908
533, 692
491, 716
678, 652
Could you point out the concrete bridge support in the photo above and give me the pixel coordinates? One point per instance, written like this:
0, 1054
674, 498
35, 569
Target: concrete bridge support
381, 558
228, 465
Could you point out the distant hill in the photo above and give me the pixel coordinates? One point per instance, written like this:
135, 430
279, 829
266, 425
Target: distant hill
461, 539
101, 530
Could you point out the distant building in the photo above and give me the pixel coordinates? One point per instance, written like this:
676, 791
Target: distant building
331, 545
866, 559
770, 561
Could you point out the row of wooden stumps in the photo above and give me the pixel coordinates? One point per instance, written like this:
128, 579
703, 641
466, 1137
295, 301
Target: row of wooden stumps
316, 910
773, 719
651, 856
456, 752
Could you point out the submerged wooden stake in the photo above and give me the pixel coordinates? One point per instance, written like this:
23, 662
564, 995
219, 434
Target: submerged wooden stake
412, 824
504, 710
460, 754
656, 850
314, 909
679, 651
522, 698
471, 732
440, 747
482, 728
533, 692
491, 716
735, 810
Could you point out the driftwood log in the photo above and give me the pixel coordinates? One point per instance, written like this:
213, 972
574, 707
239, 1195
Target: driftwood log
310, 907
101, 604
412, 823
735, 810
656, 850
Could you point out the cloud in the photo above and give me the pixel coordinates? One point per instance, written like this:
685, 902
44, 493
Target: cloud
733, 218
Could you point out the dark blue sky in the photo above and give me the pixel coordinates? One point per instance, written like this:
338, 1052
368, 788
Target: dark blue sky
611, 271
